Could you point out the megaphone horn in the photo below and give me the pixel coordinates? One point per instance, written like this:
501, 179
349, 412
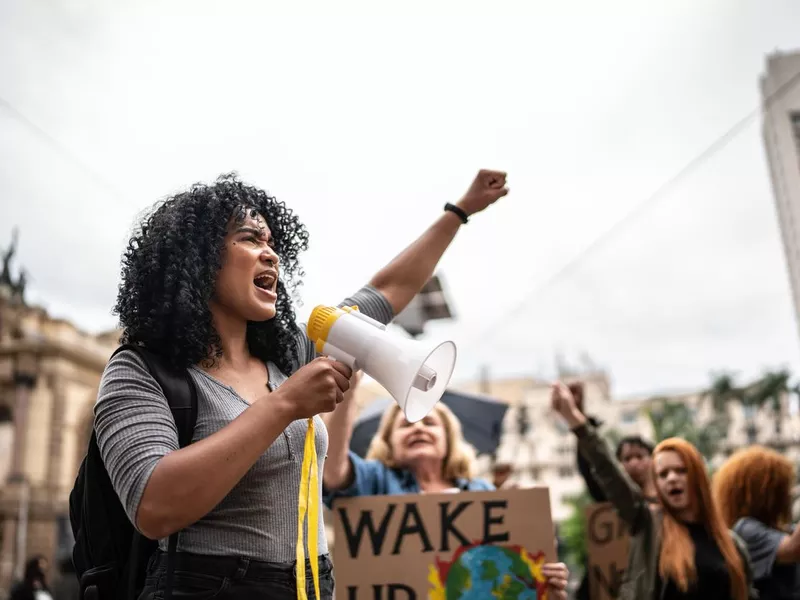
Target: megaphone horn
416, 374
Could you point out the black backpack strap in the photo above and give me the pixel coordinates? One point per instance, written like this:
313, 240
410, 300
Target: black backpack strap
178, 387
181, 395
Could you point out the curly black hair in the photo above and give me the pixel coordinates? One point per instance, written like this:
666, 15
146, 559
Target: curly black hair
170, 267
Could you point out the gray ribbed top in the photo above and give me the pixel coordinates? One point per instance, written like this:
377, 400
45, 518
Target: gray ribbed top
258, 518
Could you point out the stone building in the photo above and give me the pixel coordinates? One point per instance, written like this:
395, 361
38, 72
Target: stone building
49, 373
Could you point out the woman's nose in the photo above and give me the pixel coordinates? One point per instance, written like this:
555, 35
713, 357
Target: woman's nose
270, 257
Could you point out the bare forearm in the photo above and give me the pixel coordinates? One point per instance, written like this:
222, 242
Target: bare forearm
188, 483
338, 471
409, 271
789, 548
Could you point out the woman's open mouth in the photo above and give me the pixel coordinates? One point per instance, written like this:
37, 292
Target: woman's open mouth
418, 442
266, 283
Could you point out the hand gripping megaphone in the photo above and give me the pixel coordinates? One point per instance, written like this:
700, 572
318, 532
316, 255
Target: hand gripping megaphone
414, 373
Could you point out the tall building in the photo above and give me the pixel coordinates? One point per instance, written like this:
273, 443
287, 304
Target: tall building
780, 89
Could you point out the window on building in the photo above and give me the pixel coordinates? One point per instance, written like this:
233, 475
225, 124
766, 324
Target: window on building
566, 471
795, 119
628, 416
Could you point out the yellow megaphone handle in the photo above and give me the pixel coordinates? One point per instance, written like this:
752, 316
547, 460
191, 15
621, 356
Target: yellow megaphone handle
308, 502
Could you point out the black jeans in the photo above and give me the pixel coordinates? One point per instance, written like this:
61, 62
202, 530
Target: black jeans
226, 578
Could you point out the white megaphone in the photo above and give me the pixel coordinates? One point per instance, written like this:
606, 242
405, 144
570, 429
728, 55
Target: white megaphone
414, 373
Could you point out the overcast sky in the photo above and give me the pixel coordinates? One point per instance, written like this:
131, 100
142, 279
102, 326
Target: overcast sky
367, 121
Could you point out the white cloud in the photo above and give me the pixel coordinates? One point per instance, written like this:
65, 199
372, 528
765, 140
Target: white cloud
366, 123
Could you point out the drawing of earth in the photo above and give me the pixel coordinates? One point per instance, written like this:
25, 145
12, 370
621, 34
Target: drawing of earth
485, 572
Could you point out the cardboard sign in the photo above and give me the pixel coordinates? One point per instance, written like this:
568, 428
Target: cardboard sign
443, 546
607, 545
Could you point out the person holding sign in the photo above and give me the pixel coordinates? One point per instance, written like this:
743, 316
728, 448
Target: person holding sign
429, 456
206, 285
754, 491
681, 549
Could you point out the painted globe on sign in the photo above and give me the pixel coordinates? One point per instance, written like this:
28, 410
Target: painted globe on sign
486, 572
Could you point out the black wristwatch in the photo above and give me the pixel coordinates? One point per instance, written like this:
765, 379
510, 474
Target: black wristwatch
458, 211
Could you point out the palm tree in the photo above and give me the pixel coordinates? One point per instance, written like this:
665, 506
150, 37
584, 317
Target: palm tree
671, 418
768, 392
722, 392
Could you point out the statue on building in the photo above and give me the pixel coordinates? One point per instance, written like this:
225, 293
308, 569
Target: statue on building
5, 274
18, 289
9, 288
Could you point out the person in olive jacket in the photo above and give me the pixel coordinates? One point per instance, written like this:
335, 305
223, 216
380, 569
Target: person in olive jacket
634, 454
681, 548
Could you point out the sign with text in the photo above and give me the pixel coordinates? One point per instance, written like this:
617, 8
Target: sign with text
443, 546
607, 545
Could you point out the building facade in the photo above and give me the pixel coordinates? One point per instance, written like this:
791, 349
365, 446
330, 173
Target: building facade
49, 375
780, 89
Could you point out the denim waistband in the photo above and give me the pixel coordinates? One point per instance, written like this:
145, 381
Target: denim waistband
237, 568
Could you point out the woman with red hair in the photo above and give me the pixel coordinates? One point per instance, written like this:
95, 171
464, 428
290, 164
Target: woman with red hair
753, 490
682, 548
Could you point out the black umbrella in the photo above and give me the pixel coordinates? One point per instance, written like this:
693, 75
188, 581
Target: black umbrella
481, 420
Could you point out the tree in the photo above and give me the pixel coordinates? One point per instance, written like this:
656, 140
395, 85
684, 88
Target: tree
573, 530
768, 392
671, 418
765, 392
613, 436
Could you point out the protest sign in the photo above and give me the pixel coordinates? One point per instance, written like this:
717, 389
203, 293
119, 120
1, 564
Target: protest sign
443, 546
607, 545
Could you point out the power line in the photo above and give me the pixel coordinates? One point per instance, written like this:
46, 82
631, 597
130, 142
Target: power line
609, 234
65, 152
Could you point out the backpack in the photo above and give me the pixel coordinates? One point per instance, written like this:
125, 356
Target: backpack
110, 555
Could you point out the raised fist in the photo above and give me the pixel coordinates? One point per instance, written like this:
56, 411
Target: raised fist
487, 188
563, 402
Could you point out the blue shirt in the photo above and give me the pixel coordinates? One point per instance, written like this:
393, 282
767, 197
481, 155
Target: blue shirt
373, 478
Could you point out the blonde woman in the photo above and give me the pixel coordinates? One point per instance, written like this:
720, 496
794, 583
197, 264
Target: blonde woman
429, 456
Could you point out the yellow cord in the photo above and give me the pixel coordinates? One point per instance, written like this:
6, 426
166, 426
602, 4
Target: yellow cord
308, 502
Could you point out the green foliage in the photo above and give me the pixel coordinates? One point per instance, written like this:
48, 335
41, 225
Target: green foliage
671, 418
766, 392
573, 530
613, 436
